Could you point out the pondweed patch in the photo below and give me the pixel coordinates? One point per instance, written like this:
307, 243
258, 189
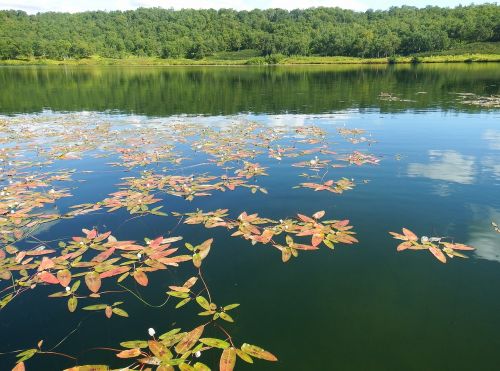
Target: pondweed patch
156, 165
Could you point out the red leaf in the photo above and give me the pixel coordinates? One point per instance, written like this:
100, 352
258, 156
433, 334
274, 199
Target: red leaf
108, 311
39, 252
300, 246
156, 242
48, 277
64, 277
305, 218
438, 254
317, 239
141, 278
114, 272
410, 235
19, 367
458, 246
46, 264
398, 236
90, 234
104, 255
404, 245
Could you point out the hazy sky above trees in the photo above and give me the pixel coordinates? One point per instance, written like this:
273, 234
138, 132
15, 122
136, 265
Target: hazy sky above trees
34, 6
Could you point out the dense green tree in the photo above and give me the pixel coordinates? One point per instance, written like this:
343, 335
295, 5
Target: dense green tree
199, 33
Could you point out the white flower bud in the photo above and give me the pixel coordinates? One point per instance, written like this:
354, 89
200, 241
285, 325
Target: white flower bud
197, 354
151, 331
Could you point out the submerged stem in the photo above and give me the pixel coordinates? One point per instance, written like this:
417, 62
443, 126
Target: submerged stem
142, 300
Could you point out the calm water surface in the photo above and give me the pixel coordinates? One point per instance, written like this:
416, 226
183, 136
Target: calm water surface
361, 307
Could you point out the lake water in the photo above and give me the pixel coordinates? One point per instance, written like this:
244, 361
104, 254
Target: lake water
360, 307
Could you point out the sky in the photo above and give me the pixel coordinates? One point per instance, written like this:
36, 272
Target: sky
34, 6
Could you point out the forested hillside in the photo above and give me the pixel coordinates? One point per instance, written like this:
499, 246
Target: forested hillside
199, 33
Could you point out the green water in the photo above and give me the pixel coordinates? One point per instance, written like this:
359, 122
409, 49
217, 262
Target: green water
360, 307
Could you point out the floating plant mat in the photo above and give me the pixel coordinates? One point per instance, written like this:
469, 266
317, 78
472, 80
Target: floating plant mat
492, 101
80, 191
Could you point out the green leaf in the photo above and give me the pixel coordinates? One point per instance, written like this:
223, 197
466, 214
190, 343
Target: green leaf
258, 352
6, 300
197, 260
134, 344
203, 302
72, 303
226, 317
198, 366
95, 307
182, 303
169, 334
231, 306
178, 294
120, 312
245, 357
75, 286
27, 354
328, 243
215, 343
206, 313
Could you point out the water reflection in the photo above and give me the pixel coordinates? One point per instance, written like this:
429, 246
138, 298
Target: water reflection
493, 138
229, 91
450, 166
491, 164
481, 234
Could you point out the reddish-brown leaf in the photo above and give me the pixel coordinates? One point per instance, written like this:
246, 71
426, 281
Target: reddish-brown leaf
317, 238
48, 277
227, 359
39, 252
398, 236
305, 218
19, 367
93, 281
410, 235
104, 255
458, 246
438, 254
114, 272
188, 341
108, 311
404, 245
129, 353
141, 277
64, 277
46, 264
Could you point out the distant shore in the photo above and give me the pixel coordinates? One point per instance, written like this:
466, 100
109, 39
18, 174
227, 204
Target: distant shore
295, 60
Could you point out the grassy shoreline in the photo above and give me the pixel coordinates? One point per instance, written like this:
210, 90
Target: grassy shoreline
210, 61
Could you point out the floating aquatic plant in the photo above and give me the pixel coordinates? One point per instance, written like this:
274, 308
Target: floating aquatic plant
435, 245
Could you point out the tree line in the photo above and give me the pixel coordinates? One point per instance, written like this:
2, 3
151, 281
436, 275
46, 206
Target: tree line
188, 33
